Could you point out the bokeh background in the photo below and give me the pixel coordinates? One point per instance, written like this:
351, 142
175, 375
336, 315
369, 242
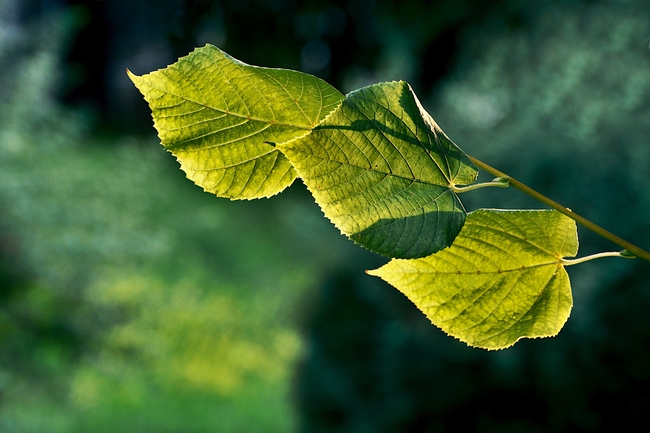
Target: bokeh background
132, 301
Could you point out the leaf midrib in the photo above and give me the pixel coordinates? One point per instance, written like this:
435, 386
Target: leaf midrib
270, 122
348, 164
497, 272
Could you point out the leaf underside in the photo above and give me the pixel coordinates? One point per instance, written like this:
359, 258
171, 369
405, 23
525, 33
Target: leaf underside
381, 170
221, 117
500, 281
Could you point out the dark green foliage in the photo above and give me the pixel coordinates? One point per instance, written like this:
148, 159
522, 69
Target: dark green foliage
594, 375
375, 365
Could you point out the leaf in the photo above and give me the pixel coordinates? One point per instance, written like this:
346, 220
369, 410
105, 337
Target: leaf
383, 171
503, 278
221, 117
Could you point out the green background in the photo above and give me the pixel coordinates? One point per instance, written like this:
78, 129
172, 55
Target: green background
132, 301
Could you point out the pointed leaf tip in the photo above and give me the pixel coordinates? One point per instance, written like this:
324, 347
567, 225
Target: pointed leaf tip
217, 115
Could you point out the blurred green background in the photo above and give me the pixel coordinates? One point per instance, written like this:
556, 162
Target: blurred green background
132, 301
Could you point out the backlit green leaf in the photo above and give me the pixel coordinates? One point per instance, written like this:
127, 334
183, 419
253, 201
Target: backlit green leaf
503, 278
221, 117
383, 172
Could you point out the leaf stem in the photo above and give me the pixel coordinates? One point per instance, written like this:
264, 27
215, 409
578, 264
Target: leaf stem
631, 248
499, 182
569, 262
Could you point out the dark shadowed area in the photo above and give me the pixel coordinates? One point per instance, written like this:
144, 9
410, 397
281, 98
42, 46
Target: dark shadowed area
132, 301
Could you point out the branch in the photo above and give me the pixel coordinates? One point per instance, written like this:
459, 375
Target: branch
631, 248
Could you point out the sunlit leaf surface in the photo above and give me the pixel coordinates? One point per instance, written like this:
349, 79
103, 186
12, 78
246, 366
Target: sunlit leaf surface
382, 171
220, 118
502, 279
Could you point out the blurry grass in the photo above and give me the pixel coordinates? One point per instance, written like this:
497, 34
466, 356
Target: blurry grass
181, 305
136, 302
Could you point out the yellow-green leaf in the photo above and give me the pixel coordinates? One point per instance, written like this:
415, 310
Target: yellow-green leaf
221, 117
383, 172
503, 278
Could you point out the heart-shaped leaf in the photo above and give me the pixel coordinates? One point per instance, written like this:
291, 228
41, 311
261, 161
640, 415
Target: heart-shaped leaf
503, 278
220, 118
383, 172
